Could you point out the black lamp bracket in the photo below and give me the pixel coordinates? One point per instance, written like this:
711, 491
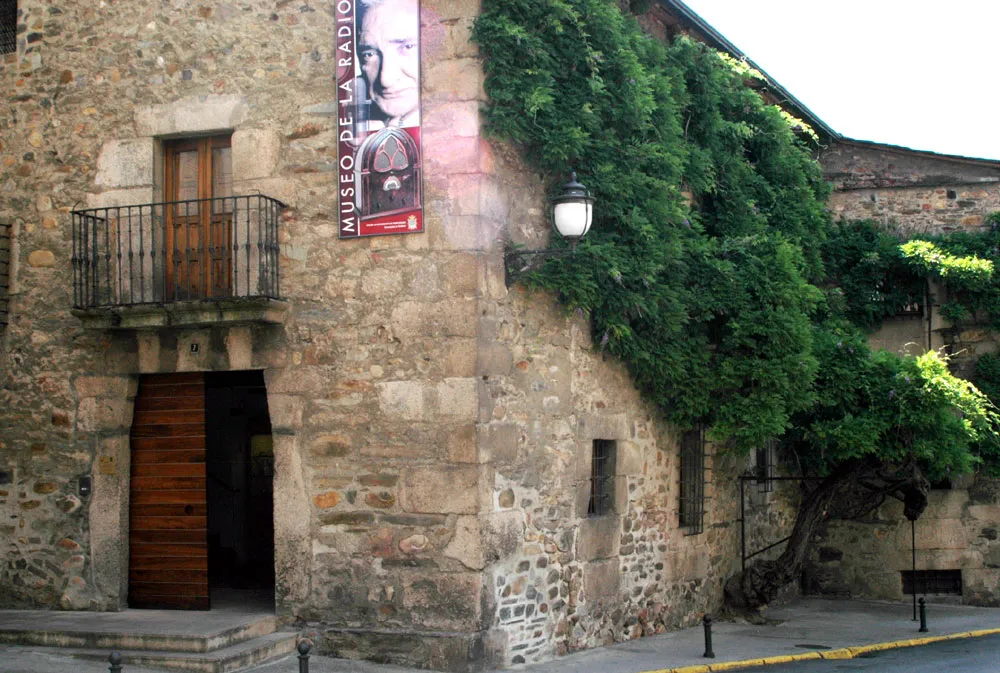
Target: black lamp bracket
518, 262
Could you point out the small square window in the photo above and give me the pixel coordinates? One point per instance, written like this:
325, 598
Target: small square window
8, 26
692, 500
602, 478
952, 194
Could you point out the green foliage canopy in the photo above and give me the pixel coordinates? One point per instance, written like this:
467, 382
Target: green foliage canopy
704, 271
697, 271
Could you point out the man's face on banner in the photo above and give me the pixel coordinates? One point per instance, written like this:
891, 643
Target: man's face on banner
390, 58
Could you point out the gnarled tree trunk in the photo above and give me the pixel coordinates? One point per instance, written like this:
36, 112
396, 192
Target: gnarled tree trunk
852, 491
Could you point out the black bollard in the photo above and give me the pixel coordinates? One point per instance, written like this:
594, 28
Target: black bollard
115, 659
923, 616
708, 637
303, 648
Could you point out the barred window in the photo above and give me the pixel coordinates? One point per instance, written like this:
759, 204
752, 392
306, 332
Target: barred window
8, 26
764, 466
5, 251
692, 500
602, 478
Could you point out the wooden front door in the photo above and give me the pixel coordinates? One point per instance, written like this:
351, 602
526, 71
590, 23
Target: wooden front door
199, 235
168, 512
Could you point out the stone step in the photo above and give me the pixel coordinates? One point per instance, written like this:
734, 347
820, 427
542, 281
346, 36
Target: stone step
95, 639
224, 660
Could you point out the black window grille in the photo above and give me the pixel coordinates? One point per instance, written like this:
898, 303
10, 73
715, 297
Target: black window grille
764, 466
5, 251
692, 500
932, 582
602, 478
8, 26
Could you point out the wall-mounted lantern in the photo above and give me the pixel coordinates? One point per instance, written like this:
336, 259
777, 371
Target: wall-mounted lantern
572, 215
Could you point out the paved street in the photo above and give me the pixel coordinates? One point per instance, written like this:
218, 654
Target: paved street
972, 655
800, 627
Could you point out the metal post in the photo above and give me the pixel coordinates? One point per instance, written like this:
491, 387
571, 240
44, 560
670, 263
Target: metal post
913, 552
303, 648
923, 616
115, 659
743, 528
709, 654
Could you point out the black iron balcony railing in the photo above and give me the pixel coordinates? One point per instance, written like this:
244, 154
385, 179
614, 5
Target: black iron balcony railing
191, 250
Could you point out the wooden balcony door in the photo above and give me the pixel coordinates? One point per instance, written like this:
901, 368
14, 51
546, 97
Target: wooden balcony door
199, 234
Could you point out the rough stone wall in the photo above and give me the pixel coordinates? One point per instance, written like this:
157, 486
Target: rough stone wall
919, 192
562, 580
958, 531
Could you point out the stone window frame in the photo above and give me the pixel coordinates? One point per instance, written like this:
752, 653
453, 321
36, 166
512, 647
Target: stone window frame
8, 27
598, 538
692, 481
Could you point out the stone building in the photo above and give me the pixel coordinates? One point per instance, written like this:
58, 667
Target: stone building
376, 434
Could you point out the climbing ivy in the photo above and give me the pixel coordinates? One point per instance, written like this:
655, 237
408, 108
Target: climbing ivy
877, 274
712, 269
699, 271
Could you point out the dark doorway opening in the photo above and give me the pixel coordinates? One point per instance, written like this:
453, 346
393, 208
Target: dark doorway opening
240, 478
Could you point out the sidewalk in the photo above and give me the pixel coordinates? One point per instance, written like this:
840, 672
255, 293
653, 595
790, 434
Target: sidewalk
805, 628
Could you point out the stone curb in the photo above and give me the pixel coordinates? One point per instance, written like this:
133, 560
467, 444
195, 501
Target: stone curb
840, 653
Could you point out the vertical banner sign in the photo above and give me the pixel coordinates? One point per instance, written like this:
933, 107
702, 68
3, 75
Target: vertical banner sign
378, 117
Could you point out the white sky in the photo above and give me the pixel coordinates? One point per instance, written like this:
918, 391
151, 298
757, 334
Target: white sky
918, 73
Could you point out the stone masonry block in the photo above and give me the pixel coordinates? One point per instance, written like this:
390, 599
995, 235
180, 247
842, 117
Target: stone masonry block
125, 163
455, 9
255, 153
499, 442
104, 414
467, 544
494, 359
461, 275
603, 426
285, 411
149, 352
239, 348
601, 579
598, 537
441, 490
121, 197
444, 602
457, 399
459, 118
403, 400
193, 114
458, 79
102, 386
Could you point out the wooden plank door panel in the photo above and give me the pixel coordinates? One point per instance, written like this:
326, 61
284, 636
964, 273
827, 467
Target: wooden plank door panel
168, 523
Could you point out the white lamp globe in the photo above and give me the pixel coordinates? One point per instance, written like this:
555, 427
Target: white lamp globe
573, 210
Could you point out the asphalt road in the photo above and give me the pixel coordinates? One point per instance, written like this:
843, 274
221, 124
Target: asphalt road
971, 655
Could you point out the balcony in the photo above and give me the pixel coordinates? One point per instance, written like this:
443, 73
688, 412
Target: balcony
178, 263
